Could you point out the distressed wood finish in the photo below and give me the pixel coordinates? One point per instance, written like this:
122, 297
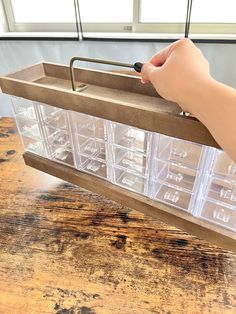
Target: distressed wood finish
111, 96
67, 250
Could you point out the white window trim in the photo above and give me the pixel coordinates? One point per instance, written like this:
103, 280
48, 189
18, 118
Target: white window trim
199, 29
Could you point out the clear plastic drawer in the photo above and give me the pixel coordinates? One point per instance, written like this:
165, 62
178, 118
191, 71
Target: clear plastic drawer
28, 127
220, 214
88, 126
222, 190
34, 146
174, 174
25, 108
61, 155
132, 160
53, 117
170, 195
179, 151
57, 137
93, 166
129, 137
90, 147
129, 180
223, 165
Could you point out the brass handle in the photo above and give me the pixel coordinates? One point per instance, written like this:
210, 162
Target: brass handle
136, 66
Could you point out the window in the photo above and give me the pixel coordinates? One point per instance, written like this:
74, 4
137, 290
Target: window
40, 15
213, 16
106, 15
121, 16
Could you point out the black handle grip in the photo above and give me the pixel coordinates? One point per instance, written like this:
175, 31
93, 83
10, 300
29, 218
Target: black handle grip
138, 66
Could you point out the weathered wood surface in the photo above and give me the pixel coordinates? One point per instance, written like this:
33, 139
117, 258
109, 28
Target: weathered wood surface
66, 250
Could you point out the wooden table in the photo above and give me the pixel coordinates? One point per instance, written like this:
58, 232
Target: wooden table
64, 250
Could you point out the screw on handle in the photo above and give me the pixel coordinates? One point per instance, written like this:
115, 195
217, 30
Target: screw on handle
138, 66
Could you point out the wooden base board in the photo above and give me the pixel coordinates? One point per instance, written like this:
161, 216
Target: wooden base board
172, 216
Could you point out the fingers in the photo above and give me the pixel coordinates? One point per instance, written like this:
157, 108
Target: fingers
143, 81
159, 59
147, 71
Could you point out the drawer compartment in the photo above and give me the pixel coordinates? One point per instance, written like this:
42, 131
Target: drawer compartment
131, 160
28, 127
130, 180
87, 125
62, 155
174, 174
24, 107
34, 146
223, 165
129, 137
222, 191
173, 196
57, 137
220, 214
53, 117
93, 166
90, 147
179, 151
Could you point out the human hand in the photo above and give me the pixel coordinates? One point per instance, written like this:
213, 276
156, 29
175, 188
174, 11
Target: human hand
178, 72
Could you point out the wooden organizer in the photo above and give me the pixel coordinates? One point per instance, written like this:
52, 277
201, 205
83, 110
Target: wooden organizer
123, 99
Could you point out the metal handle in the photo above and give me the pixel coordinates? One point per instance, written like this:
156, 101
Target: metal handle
137, 66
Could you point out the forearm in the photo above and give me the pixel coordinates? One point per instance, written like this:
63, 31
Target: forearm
214, 104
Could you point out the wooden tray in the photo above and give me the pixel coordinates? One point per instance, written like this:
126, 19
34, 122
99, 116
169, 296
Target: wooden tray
111, 96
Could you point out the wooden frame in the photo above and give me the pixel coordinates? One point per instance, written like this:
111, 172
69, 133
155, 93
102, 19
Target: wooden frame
170, 215
111, 96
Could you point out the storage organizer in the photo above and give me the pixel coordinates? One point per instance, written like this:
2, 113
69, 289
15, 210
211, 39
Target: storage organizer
109, 138
177, 171
129, 152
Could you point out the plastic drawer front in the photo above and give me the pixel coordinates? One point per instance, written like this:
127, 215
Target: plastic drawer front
217, 201
94, 166
129, 156
223, 165
188, 176
178, 167
175, 175
57, 134
185, 153
28, 124
131, 160
90, 144
129, 137
129, 180
53, 117
223, 191
220, 214
173, 196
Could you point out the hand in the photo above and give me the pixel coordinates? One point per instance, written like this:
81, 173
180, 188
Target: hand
178, 72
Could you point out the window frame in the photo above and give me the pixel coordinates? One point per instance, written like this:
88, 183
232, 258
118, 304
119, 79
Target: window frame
132, 28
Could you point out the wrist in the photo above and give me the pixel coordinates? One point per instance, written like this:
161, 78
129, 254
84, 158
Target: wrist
198, 96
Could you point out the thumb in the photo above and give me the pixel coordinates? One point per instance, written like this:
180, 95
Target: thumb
147, 71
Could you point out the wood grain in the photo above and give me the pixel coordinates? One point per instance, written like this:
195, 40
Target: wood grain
66, 250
